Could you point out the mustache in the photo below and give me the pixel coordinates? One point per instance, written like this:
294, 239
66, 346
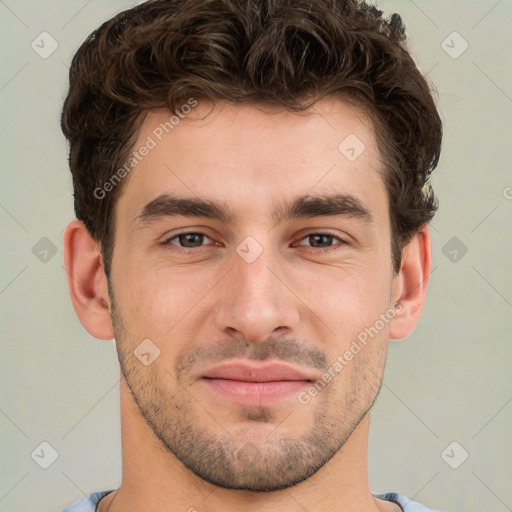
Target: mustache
288, 350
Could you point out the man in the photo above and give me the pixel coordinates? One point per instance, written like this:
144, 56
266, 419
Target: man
252, 201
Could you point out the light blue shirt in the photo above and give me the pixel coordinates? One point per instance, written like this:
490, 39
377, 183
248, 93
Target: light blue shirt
88, 503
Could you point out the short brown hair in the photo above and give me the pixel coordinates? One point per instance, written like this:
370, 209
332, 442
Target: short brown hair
285, 52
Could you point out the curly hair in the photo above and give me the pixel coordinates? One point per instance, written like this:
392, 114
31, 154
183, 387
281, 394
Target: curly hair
289, 53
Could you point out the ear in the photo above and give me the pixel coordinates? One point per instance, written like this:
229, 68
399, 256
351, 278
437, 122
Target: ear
87, 282
410, 285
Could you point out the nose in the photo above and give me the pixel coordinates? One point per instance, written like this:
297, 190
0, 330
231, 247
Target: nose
256, 301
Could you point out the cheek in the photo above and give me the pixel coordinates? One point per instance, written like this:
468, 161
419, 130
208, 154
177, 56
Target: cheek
159, 300
347, 299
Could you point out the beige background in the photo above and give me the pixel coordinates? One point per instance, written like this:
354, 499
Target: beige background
450, 381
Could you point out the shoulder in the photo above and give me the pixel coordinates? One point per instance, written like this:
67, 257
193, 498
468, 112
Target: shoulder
404, 502
87, 503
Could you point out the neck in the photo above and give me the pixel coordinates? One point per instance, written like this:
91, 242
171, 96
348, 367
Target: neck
153, 479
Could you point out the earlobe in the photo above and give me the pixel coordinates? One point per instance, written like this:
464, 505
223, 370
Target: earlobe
410, 286
87, 282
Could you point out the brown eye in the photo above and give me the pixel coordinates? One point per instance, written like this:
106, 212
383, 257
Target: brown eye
322, 240
188, 240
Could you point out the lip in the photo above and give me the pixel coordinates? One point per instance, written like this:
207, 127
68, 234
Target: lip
254, 382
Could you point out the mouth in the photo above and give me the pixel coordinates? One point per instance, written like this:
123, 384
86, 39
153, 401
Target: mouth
255, 383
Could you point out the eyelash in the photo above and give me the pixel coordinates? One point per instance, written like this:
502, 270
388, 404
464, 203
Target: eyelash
341, 240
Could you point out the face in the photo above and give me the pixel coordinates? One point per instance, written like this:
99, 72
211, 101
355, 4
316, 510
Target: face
252, 287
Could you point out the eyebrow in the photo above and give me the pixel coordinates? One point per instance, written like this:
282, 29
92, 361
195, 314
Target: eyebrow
305, 206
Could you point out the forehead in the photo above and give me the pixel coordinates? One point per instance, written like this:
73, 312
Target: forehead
245, 154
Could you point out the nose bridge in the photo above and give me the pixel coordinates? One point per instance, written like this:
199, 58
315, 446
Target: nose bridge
255, 301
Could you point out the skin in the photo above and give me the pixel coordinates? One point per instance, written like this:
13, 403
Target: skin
184, 444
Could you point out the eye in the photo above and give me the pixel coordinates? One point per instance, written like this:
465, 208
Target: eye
188, 240
195, 240
322, 240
